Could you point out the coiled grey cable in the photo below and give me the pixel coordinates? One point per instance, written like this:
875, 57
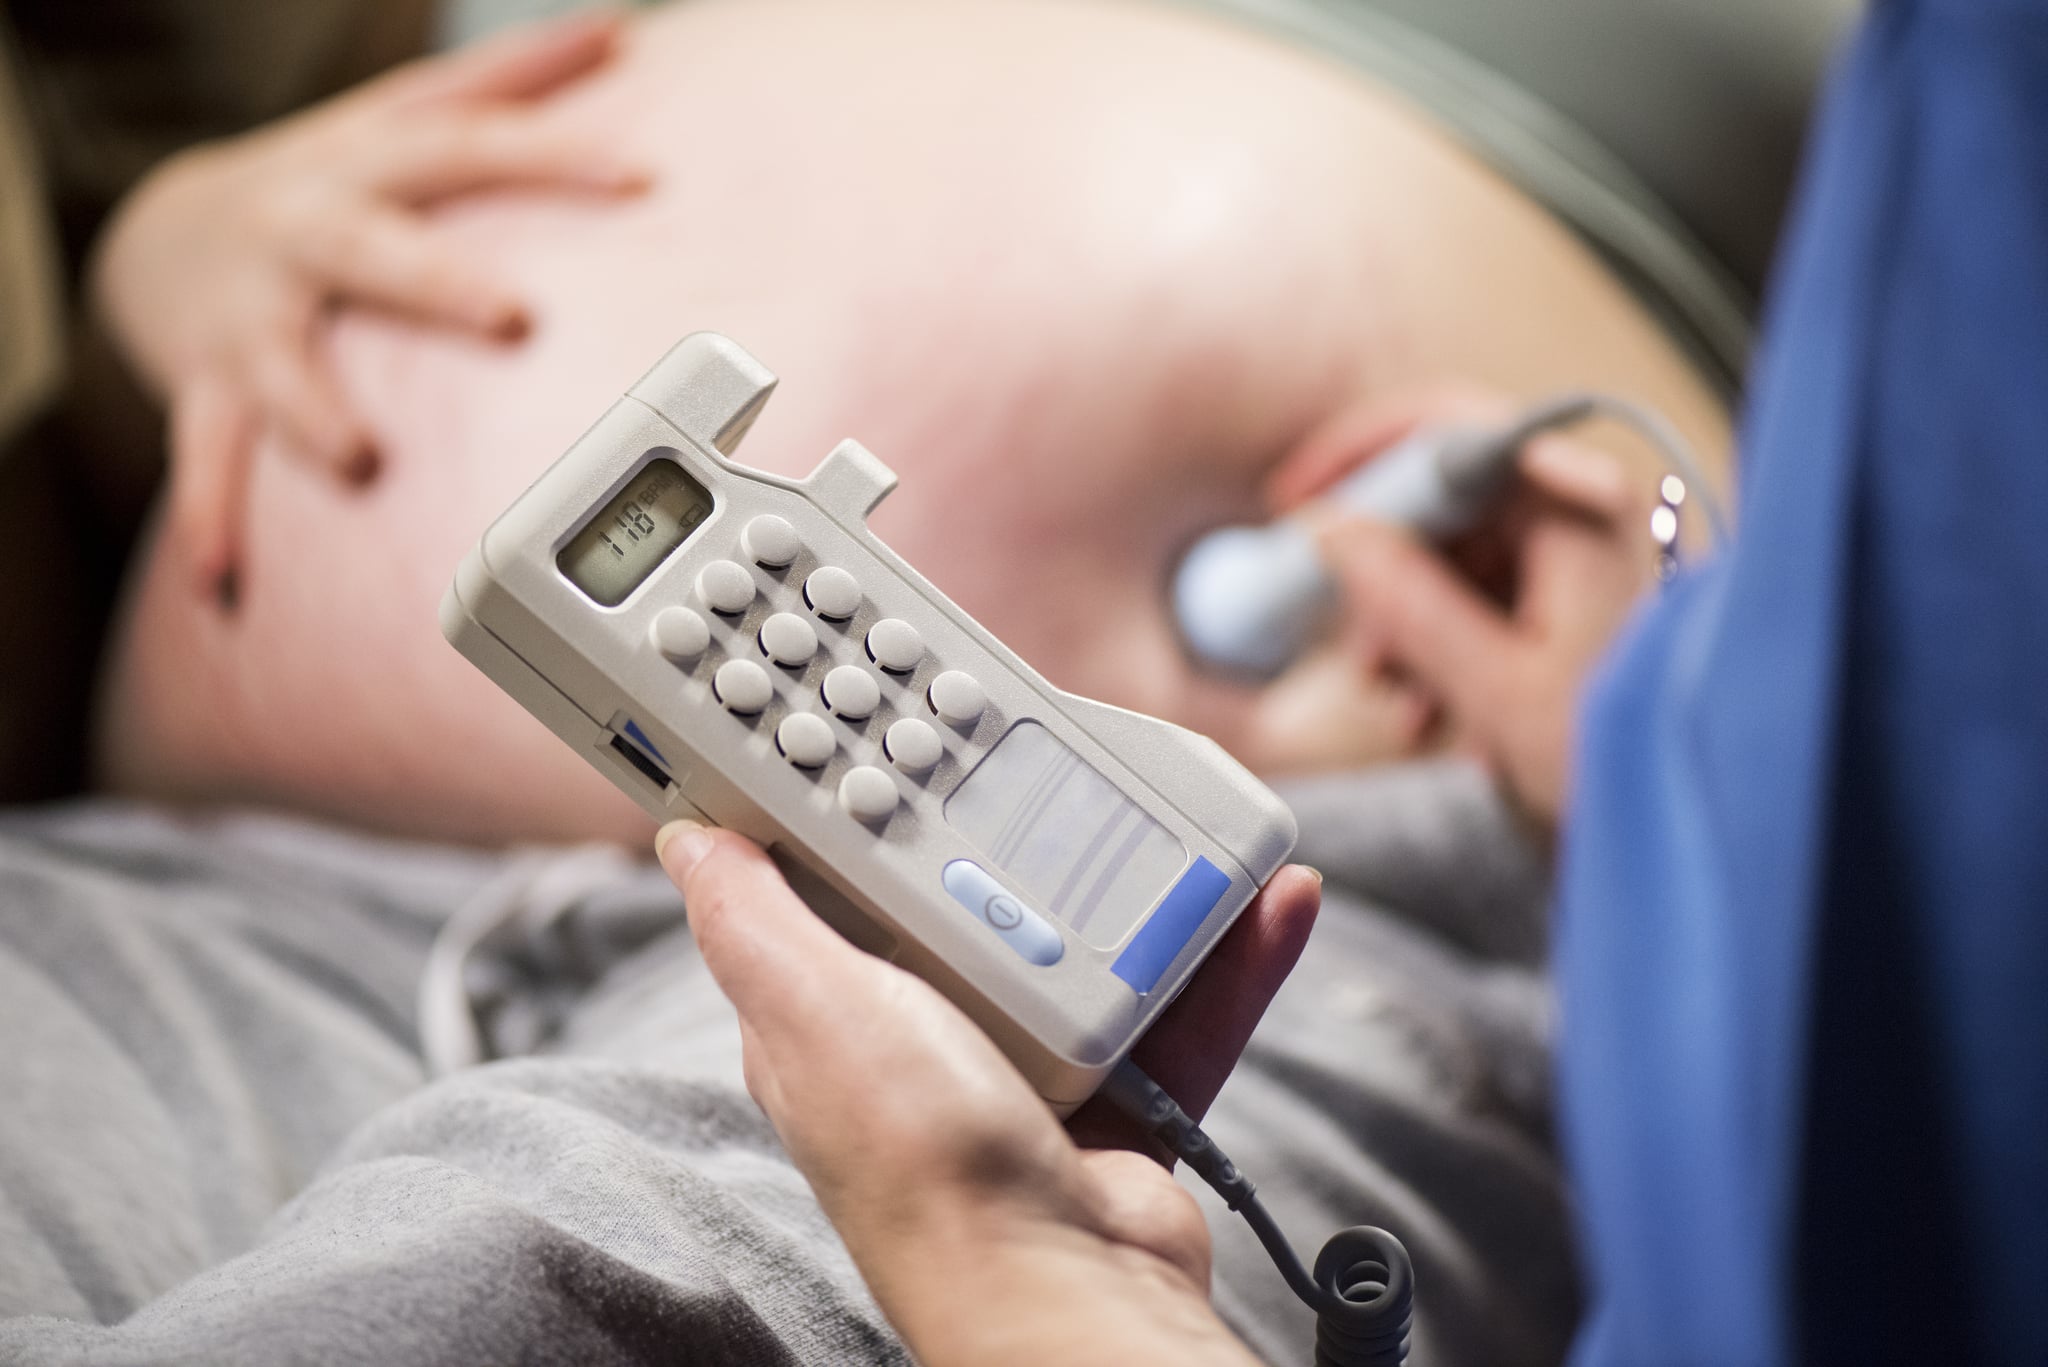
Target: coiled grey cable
1363, 1286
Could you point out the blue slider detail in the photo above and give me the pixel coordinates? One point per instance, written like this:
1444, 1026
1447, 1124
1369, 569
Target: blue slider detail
639, 738
1174, 922
1021, 928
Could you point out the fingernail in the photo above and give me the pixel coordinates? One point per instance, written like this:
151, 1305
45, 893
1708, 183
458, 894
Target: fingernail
680, 845
362, 465
510, 323
1601, 473
1314, 873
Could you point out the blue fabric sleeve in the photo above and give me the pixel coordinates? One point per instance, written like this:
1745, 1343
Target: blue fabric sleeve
1804, 942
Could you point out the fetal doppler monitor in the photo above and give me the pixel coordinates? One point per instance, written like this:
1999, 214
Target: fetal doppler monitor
738, 648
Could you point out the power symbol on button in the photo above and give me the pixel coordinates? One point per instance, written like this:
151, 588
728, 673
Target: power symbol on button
1003, 912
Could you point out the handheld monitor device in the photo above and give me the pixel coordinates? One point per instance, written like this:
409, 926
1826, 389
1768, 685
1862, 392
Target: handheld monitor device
738, 648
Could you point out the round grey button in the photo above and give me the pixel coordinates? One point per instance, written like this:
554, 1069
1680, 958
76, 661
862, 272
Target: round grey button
852, 692
912, 746
958, 697
726, 586
742, 686
867, 793
680, 634
805, 738
1003, 912
832, 592
770, 540
895, 645
788, 639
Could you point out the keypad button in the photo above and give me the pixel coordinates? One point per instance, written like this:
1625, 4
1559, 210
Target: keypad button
895, 645
726, 586
770, 540
833, 593
742, 686
912, 746
805, 738
957, 697
852, 692
680, 634
788, 639
867, 793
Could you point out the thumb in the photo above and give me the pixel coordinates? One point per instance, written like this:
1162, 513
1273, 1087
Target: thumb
788, 974
1430, 619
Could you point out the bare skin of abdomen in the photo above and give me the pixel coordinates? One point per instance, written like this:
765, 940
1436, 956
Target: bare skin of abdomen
1081, 273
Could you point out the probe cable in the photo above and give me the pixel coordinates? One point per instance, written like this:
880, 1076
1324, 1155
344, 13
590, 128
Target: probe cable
1568, 410
1363, 1286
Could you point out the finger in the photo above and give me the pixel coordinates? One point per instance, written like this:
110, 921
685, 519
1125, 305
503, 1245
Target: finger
1332, 451
212, 437
523, 63
299, 397
389, 260
789, 975
1583, 574
1196, 1041
455, 154
1579, 477
1361, 432
1443, 632
1364, 650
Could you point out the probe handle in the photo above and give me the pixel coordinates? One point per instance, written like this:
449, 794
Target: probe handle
1436, 483
1249, 599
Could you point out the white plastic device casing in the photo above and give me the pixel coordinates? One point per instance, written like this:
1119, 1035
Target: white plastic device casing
657, 728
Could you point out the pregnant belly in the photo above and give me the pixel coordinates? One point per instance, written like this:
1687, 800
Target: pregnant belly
1081, 274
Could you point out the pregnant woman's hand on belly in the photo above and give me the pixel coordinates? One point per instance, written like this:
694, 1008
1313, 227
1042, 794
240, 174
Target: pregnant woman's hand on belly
219, 271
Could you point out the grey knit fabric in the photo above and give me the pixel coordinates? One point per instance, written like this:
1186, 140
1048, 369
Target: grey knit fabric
219, 1141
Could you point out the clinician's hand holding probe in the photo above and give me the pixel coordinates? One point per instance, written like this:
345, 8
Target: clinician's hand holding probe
1532, 552
987, 1233
1249, 599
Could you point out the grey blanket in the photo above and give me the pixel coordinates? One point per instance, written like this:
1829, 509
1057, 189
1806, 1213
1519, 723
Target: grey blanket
221, 1140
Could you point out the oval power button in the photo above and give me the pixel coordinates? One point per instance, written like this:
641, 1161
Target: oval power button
1021, 928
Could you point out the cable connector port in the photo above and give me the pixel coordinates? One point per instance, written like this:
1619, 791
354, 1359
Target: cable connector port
634, 756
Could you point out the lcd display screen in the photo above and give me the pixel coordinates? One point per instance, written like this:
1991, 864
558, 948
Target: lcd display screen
1073, 840
636, 531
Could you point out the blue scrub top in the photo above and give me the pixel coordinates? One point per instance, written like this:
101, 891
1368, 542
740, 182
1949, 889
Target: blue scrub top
1803, 940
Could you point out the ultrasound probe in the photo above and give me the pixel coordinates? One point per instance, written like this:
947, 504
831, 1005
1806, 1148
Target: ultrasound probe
1249, 599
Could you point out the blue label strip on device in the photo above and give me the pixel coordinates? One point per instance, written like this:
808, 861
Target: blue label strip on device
1174, 921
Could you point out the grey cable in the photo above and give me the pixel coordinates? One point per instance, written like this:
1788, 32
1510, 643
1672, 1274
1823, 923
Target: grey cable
1363, 1286
1569, 409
